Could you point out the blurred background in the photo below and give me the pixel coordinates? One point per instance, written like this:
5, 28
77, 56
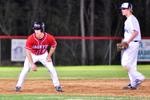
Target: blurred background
76, 18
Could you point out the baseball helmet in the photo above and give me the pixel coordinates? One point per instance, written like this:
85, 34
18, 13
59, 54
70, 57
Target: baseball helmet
39, 26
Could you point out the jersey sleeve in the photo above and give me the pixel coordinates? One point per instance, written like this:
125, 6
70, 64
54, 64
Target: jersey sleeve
29, 43
52, 41
134, 25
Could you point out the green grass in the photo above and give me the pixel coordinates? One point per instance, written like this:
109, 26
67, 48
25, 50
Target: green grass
72, 72
67, 97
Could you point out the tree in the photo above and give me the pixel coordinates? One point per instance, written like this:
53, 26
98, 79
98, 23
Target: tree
7, 18
147, 14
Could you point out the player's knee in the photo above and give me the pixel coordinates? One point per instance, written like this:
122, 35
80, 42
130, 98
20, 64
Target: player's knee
124, 64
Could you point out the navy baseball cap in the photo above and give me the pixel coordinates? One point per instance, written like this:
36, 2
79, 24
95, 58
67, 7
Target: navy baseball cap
126, 5
39, 26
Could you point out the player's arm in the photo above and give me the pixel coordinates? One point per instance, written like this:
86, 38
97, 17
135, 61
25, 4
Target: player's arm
52, 49
33, 66
28, 53
134, 34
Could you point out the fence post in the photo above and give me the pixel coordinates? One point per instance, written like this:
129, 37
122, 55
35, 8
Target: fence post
0, 53
110, 42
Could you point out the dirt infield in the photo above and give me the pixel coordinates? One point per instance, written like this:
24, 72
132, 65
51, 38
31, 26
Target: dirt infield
101, 87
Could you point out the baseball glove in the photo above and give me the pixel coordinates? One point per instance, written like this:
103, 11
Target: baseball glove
122, 46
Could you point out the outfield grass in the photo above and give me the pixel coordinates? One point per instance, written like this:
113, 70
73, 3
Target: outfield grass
74, 72
71, 72
66, 97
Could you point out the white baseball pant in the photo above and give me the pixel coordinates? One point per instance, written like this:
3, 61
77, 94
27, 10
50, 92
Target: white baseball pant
129, 60
42, 59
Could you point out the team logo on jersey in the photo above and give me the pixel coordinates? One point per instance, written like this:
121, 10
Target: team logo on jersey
40, 46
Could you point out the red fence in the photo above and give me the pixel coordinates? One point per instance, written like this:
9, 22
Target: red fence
72, 37
69, 37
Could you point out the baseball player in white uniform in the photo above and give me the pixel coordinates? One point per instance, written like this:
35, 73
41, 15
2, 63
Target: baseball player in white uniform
132, 35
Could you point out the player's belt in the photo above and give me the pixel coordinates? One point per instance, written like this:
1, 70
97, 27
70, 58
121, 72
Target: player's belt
136, 41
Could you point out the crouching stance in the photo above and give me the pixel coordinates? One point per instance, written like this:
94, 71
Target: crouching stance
36, 50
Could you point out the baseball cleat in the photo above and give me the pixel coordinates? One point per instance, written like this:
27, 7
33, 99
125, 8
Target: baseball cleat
137, 82
127, 87
58, 89
18, 89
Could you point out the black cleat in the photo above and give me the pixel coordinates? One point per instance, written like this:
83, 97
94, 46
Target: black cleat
18, 89
127, 87
133, 88
58, 89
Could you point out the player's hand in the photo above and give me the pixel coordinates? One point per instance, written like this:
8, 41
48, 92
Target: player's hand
34, 67
122, 46
48, 59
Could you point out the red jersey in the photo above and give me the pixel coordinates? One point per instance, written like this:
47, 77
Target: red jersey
39, 46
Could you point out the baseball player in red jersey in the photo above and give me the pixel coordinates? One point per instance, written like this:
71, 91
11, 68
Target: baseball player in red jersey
36, 50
